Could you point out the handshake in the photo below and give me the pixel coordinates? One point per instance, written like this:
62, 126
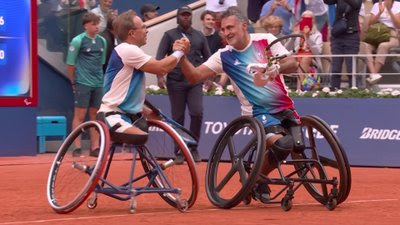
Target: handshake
262, 73
182, 45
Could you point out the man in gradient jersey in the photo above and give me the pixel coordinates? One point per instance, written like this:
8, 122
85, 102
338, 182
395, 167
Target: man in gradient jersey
262, 86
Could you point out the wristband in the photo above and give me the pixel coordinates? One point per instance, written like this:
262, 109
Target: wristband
178, 55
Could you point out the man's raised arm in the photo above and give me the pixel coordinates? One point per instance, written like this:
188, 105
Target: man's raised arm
195, 74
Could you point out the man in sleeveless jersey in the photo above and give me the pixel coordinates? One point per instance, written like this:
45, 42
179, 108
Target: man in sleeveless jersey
268, 97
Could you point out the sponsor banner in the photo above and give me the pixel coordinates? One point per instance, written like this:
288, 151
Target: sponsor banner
368, 129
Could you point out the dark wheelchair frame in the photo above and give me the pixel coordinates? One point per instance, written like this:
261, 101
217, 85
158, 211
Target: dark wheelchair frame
309, 166
73, 179
245, 159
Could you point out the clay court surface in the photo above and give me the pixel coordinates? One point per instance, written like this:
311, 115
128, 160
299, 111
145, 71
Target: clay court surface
374, 199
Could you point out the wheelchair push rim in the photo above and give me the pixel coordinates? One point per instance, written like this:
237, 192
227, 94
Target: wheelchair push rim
163, 141
72, 179
243, 157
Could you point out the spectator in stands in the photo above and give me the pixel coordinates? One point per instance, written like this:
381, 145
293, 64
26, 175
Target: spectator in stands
282, 9
110, 35
320, 11
86, 56
311, 45
149, 11
102, 10
213, 38
87, 4
219, 6
272, 24
346, 42
123, 100
388, 13
181, 93
214, 43
254, 9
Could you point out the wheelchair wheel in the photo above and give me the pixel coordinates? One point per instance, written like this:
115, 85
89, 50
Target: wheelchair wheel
323, 145
235, 161
163, 142
72, 179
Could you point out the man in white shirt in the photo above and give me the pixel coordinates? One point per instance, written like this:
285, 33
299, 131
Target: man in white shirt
388, 13
124, 81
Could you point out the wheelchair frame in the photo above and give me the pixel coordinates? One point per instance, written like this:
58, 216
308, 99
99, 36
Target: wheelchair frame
309, 169
64, 167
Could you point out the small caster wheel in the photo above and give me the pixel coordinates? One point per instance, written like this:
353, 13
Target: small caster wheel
286, 204
92, 203
331, 204
182, 205
132, 205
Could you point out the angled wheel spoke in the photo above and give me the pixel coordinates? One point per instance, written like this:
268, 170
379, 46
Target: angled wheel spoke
226, 179
242, 172
247, 148
227, 184
231, 147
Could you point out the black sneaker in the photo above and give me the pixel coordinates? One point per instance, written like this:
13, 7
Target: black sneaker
77, 152
94, 152
196, 156
179, 159
262, 193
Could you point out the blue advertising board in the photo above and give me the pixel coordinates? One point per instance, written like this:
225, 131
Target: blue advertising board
369, 129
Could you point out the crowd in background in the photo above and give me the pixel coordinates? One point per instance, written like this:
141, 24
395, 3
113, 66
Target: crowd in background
90, 51
317, 20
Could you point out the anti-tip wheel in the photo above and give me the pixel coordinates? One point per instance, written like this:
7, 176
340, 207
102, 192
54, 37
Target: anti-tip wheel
182, 205
286, 204
92, 204
331, 204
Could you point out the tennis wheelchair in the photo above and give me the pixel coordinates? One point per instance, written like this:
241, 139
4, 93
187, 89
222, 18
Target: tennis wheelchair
72, 180
319, 163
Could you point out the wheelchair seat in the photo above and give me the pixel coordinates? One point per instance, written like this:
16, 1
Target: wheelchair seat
123, 138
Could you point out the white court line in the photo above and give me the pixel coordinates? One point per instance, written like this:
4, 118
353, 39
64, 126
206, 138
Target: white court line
190, 210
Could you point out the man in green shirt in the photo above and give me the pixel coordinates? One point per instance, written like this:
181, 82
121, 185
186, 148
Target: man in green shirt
86, 56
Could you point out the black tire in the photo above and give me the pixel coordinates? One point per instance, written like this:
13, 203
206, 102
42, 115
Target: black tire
72, 179
244, 154
162, 143
323, 146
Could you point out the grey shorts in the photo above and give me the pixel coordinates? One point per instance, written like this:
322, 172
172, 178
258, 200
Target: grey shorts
86, 96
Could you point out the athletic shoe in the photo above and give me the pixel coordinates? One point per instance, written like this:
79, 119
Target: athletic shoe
179, 159
374, 78
262, 193
94, 152
196, 156
77, 152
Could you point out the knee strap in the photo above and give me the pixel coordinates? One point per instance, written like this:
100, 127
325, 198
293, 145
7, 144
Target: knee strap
298, 138
282, 147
